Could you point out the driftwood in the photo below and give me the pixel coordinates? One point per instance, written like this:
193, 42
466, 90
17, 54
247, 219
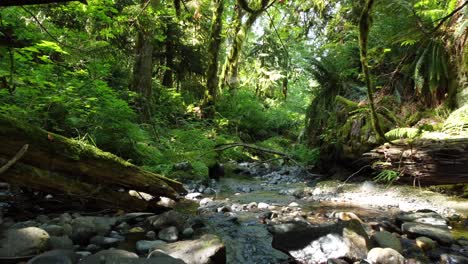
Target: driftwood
56, 164
14, 159
424, 161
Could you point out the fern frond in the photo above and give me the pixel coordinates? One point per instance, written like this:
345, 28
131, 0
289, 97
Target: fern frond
403, 132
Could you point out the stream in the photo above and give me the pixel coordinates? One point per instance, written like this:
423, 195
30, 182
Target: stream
257, 215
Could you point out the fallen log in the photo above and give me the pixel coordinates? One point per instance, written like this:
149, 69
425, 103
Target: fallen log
424, 161
55, 163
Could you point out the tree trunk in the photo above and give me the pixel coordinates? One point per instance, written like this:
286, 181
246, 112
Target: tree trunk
213, 54
424, 161
231, 66
168, 78
143, 72
57, 164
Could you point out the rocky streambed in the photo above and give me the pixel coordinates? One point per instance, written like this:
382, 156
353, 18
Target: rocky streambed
262, 215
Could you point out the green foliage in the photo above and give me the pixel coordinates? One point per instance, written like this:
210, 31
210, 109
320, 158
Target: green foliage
246, 113
457, 122
402, 133
387, 176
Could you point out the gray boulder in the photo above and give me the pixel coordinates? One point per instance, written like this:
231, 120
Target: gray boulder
441, 235
111, 256
60, 242
55, 257
166, 219
386, 239
385, 256
146, 246
169, 234
24, 242
423, 216
207, 249
85, 227
105, 242
54, 230
317, 243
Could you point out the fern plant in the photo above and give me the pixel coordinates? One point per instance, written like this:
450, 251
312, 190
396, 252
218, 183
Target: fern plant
387, 176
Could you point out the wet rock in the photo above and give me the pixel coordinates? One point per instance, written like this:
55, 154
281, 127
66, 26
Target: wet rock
55, 257
169, 234
42, 219
136, 229
104, 242
86, 227
263, 206
317, 243
145, 246
425, 243
206, 249
151, 235
54, 230
188, 232
336, 261
166, 219
194, 196
134, 217
114, 256
159, 257
252, 205
441, 235
141, 195
205, 201
60, 242
386, 239
423, 216
83, 254
92, 248
24, 224
23, 242
293, 204
223, 209
385, 256
67, 229
65, 218
453, 259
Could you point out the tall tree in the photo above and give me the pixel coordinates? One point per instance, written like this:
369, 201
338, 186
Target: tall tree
213, 58
143, 69
229, 74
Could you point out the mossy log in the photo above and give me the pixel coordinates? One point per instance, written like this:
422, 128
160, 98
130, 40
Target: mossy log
424, 161
58, 164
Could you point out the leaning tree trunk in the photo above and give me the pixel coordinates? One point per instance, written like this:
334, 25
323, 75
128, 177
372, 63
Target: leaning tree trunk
56, 164
424, 161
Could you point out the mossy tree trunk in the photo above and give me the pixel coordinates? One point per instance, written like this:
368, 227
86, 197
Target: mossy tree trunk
213, 58
57, 164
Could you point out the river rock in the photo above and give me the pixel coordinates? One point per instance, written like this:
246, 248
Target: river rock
60, 242
263, 206
205, 201
42, 219
145, 246
169, 234
425, 243
188, 232
252, 205
114, 256
85, 227
441, 235
134, 217
207, 249
65, 218
453, 259
423, 216
317, 243
55, 257
386, 239
194, 196
23, 242
166, 219
105, 242
54, 230
151, 235
385, 256
159, 257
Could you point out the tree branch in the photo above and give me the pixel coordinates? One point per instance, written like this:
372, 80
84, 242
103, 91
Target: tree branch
14, 159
